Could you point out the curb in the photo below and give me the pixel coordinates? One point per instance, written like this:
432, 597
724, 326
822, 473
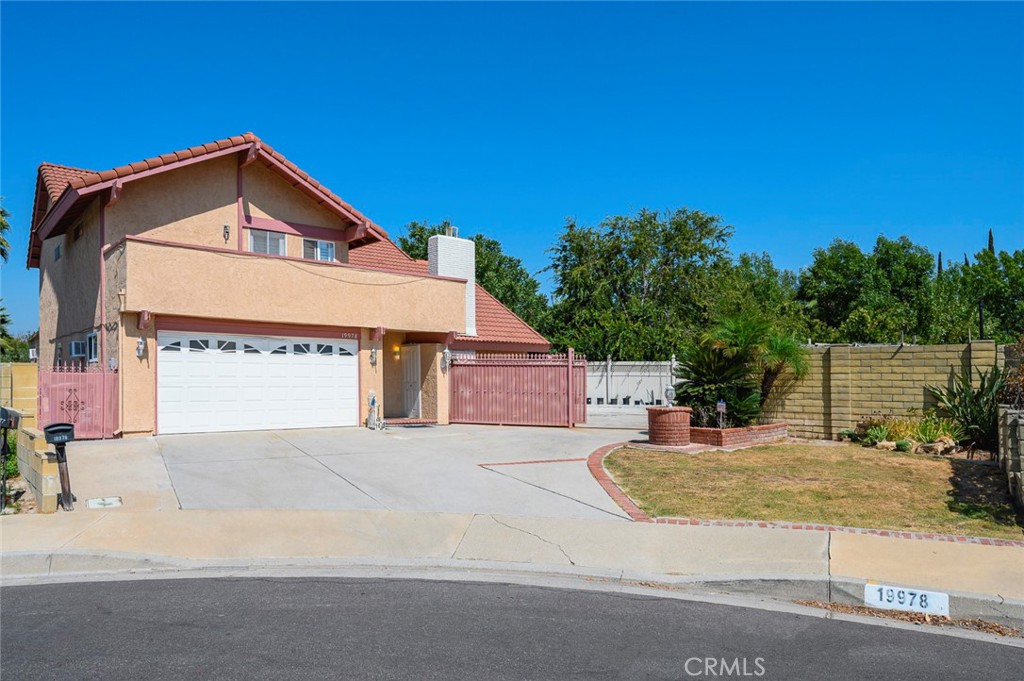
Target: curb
595, 463
71, 566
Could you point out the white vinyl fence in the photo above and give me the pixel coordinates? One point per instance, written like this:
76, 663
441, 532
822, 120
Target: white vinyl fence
623, 384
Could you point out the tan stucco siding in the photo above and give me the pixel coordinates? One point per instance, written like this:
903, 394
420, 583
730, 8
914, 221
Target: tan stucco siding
69, 287
268, 195
223, 285
391, 362
371, 377
138, 378
187, 205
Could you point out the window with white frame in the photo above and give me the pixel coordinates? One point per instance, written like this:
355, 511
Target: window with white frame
92, 353
313, 249
57, 252
262, 241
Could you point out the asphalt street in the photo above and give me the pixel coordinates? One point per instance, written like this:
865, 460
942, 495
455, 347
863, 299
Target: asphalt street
326, 628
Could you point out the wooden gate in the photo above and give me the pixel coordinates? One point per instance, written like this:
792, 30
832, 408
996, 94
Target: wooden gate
86, 397
520, 390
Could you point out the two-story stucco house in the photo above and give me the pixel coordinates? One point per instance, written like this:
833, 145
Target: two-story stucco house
231, 291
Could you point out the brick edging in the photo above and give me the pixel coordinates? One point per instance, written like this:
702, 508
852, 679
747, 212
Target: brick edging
595, 463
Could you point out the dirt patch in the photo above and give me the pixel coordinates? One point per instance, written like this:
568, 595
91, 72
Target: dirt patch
971, 623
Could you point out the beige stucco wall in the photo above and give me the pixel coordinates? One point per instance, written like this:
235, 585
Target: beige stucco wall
138, 378
434, 384
268, 195
68, 288
178, 281
391, 361
188, 205
370, 377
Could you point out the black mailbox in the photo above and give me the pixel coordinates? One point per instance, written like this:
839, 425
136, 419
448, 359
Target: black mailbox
59, 433
9, 419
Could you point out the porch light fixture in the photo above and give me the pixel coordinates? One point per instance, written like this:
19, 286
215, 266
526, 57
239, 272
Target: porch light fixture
446, 359
227, 233
398, 352
140, 348
373, 357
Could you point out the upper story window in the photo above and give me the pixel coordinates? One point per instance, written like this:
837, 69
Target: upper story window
262, 241
57, 251
313, 249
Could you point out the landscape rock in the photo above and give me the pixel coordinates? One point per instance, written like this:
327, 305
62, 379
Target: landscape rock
886, 445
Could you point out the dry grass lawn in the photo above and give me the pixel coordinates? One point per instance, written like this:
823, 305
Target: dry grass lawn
833, 485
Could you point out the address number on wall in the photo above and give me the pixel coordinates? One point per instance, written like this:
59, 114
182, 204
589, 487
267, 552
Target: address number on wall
902, 598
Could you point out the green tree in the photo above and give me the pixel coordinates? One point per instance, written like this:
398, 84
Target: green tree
832, 284
997, 280
502, 275
5, 246
754, 286
635, 287
14, 348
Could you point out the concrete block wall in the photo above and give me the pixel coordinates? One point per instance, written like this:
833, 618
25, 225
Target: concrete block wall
1011, 450
39, 469
18, 389
846, 384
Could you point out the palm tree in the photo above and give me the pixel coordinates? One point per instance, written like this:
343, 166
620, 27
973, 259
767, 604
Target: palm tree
766, 352
5, 247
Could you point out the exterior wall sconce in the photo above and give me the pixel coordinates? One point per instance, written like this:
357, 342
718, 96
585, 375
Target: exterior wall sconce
446, 359
140, 348
397, 351
227, 233
373, 357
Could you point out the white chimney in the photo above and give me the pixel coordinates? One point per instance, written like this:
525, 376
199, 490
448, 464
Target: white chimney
450, 256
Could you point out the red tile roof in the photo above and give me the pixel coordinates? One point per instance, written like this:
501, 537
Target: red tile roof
57, 179
495, 323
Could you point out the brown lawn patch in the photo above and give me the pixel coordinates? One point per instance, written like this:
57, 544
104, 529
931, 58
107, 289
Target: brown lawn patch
823, 484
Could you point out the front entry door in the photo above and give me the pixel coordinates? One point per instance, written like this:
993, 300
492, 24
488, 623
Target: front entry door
411, 381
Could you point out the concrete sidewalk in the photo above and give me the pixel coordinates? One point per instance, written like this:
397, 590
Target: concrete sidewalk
984, 581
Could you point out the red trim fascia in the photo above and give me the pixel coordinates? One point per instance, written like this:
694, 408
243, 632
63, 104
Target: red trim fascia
249, 254
239, 199
254, 328
72, 195
491, 346
308, 231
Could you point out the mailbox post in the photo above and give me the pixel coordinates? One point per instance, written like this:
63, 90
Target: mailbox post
9, 420
59, 435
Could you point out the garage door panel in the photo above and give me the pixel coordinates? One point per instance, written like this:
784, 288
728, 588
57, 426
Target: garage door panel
220, 382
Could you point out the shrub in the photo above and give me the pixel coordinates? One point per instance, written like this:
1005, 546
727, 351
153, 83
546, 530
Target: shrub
876, 434
12, 460
973, 409
708, 375
850, 434
902, 446
1012, 392
933, 427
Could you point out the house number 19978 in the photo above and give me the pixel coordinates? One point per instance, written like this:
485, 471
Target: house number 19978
902, 598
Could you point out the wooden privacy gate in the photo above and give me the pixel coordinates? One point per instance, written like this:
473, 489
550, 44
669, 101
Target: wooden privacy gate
519, 390
86, 397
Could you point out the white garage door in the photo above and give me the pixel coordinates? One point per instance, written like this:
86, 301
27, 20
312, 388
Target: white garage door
219, 382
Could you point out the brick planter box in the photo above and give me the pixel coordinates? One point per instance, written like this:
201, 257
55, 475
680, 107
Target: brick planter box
668, 426
738, 437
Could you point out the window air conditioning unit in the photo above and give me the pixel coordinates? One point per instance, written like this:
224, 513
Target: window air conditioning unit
77, 349
33, 354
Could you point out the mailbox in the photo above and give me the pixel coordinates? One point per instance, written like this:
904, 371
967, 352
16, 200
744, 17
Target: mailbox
59, 433
9, 419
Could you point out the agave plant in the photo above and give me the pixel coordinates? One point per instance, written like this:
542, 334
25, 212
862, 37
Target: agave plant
974, 409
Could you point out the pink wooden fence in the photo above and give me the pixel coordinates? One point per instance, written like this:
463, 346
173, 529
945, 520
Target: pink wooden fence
521, 390
86, 397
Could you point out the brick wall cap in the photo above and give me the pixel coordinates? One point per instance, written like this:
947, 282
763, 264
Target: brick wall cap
668, 410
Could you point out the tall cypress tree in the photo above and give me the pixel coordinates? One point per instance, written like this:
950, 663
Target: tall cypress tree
991, 243
939, 259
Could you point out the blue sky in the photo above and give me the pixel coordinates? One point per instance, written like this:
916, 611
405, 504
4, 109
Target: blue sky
797, 123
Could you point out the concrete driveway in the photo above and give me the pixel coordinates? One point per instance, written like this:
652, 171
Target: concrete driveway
475, 469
